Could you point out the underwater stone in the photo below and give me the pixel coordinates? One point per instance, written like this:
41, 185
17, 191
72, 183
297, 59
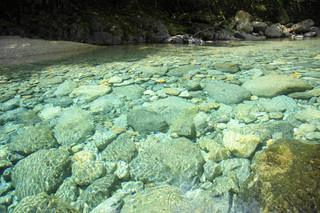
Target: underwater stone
151, 71
32, 138
229, 68
184, 70
178, 162
158, 198
273, 85
122, 148
65, 88
74, 126
130, 92
146, 121
89, 93
286, 169
68, 190
44, 203
86, 169
241, 145
227, 93
98, 191
42, 171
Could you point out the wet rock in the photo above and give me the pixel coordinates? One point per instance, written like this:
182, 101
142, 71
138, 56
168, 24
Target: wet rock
246, 113
259, 26
229, 68
90, 92
178, 162
215, 151
97, 192
245, 27
146, 121
161, 198
184, 70
73, 126
65, 88
178, 113
286, 169
247, 36
212, 170
44, 203
122, 148
273, 31
105, 104
241, 145
68, 190
308, 115
130, 92
32, 138
47, 82
183, 39
243, 16
102, 137
151, 71
112, 204
303, 26
301, 95
115, 79
238, 167
274, 85
42, 171
278, 104
49, 112
86, 168
10, 104
227, 93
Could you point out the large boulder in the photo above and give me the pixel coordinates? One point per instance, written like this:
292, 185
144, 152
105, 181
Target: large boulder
273, 31
303, 26
285, 177
273, 85
42, 171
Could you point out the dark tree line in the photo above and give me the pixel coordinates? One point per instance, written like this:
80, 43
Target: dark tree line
266, 9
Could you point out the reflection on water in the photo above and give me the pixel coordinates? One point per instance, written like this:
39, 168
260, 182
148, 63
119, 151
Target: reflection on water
164, 128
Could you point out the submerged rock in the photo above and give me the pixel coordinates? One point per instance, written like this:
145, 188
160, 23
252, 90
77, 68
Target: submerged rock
74, 126
286, 177
44, 203
178, 162
273, 85
42, 171
90, 92
227, 93
146, 121
32, 138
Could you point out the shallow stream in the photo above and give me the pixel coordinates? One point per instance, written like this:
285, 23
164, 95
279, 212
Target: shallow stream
158, 128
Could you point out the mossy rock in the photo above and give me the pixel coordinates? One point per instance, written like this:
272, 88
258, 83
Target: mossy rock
285, 177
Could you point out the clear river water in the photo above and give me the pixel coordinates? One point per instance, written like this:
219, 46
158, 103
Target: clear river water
225, 127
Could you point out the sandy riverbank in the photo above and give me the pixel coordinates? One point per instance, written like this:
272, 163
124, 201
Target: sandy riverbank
17, 50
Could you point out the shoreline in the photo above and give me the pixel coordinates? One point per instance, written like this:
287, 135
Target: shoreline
15, 50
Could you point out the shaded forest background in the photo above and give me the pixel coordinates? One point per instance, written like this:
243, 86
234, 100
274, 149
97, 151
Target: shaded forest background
182, 13
174, 9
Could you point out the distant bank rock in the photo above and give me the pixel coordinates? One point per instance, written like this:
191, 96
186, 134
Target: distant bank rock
273, 85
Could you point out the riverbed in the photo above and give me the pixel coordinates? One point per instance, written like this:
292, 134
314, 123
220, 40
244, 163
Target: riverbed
158, 128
